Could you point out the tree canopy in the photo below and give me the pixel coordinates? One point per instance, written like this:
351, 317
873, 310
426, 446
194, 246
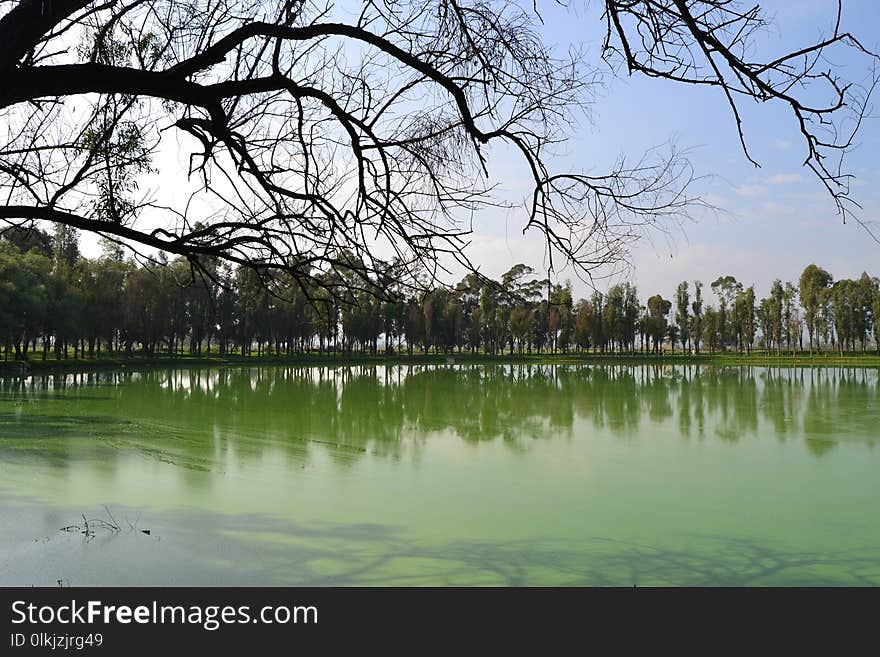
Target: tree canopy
318, 139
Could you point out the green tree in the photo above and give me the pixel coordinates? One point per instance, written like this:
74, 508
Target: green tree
775, 308
23, 296
763, 315
876, 313
28, 237
682, 313
812, 284
744, 318
792, 318
711, 323
658, 310
726, 288
865, 290
697, 317
598, 333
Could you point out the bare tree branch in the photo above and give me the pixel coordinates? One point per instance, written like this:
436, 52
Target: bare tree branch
318, 144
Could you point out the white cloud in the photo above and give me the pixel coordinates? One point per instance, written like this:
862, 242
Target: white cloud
751, 190
784, 179
777, 210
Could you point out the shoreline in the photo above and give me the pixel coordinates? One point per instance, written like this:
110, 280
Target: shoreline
75, 365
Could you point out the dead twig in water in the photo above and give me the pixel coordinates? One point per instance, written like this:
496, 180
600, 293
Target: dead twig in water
87, 528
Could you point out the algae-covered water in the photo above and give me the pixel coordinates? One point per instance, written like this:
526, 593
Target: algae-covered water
448, 475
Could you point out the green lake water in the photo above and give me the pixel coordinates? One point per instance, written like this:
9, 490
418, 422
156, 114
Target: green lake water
445, 475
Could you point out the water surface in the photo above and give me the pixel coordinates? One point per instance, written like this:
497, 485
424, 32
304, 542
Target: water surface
463, 475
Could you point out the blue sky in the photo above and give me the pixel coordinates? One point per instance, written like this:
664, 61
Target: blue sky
776, 219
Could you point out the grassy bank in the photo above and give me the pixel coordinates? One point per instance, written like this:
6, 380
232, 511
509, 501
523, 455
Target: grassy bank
36, 365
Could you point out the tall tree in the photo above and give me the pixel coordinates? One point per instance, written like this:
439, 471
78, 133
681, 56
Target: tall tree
865, 290
776, 306
791, 317
876, 312
682, 313
744, 314
697, 318
763, 315
712, 329
813, 282
658, 310
726, 288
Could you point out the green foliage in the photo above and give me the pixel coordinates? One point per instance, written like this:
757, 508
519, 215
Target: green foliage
682, 313
27, 238
813, 283
656, 324
876, 320
66, 302
697, 317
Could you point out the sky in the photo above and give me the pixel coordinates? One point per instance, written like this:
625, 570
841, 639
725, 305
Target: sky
772, 221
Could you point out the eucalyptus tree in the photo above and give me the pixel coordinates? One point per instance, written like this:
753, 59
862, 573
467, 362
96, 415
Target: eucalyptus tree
489, 316
825, 321
143, 314
682, 313
174, 292
612, 317
812, 284
630, 314
393, 314
744, 318
469, 291
775, 307
561, 318
697, 317
415, 326
519, 293
658, 311
102, 282
254, 310
673, 333
27, 237
24, 290
726, 288
228, 309
598, 335
583, 322
791, 318
865, 289
763, 315
843, 294
852, 304
712, 328
619, 317
201, 297
522, 318
442, 319
875, 307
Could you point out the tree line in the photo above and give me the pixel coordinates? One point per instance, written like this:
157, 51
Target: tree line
55, 301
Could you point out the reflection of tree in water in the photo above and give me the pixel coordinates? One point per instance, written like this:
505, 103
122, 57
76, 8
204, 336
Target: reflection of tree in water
368, 554
201, 416
260, 549
725, 562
